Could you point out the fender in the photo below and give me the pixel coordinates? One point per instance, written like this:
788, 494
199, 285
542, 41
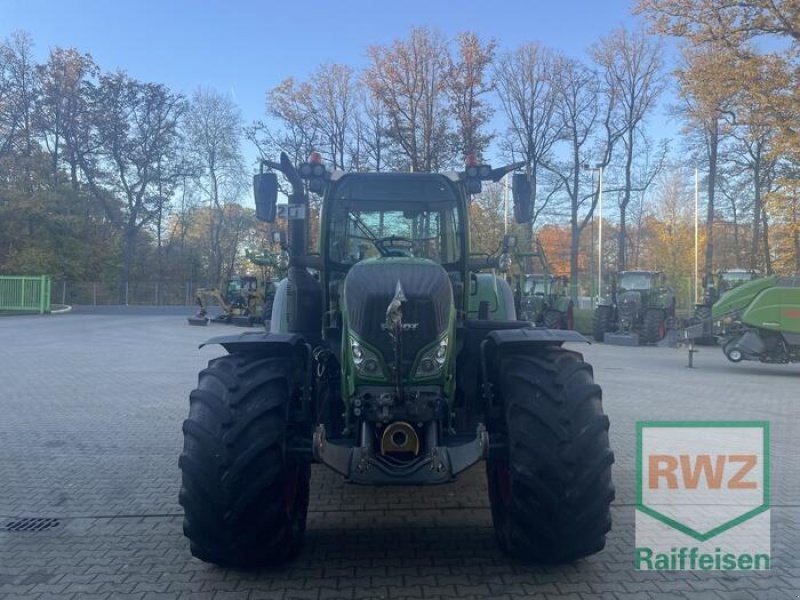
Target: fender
260, 342
533, 337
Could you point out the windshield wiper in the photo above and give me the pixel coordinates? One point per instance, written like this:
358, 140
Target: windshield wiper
363, 227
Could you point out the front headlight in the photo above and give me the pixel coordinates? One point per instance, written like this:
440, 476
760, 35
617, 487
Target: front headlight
432, 360
365, 360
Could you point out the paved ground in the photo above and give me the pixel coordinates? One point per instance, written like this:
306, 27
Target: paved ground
91, 407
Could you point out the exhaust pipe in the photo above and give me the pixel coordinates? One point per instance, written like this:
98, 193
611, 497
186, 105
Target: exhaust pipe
399, 437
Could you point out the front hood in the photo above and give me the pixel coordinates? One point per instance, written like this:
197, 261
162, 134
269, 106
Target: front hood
629, 301
371, 285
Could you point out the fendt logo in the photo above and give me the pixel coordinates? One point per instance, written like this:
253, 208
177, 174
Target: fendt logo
702, 495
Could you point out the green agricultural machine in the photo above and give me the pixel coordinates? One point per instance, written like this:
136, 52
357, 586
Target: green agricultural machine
642, 308
395, 361
760, 320
542, 296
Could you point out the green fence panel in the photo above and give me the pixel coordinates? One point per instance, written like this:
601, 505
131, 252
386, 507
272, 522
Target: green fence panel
25, 294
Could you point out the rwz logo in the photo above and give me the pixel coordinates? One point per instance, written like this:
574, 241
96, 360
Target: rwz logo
702, 495
702, 468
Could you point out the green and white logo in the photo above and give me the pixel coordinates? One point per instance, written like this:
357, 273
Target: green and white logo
702, 495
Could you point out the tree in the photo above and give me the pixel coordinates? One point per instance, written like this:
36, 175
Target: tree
410, 79
467, 88
334, 90
370, 147
732, 24
297, 131
630, 65
63, 106
578, 111
18, 92
671, 232
527, 88
755, 136
708, 81
135, 135
214, 133
723, 21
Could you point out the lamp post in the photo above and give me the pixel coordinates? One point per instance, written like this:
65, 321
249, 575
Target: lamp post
599, 168
696, 237
591, 255
600, 234
505, 204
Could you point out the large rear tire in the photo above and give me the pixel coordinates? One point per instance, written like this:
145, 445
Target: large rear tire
551, 495
601, 322
245, 498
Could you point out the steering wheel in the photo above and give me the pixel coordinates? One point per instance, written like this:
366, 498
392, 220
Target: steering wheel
394, 245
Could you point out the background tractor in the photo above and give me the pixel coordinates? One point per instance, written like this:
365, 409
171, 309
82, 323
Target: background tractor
724, 281
393, 360
541, 296
642, 308
760, 320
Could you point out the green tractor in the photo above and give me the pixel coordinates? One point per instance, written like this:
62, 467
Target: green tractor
725, 280
642, 308
395, 362
542, 297
760, 320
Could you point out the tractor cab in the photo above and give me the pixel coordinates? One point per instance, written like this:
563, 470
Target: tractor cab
733, 278
535, 285
640, 281
386, 226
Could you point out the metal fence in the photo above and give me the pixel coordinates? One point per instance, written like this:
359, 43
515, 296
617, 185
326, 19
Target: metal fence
25, 294
169, 293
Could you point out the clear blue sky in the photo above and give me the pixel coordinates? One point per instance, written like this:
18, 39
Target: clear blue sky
246, 47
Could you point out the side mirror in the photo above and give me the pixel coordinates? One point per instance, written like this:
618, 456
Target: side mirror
521, 191
265, 190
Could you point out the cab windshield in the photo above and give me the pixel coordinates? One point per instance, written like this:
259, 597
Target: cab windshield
635, 281
394, 215
534, 286
737, 277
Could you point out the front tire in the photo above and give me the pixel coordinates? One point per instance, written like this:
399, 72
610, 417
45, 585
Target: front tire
654, 326
245, 498
551, 494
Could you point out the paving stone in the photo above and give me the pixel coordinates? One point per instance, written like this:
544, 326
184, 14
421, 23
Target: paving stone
90, 433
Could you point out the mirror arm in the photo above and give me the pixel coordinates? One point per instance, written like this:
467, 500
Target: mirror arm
497, 174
